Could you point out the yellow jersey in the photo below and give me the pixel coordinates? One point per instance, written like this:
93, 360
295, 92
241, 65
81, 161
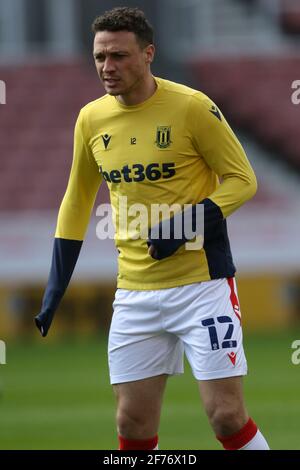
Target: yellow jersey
174, 148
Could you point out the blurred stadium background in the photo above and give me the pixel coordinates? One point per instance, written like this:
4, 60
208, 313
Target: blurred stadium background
244, 54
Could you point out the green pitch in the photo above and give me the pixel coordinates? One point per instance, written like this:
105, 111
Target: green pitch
57, 396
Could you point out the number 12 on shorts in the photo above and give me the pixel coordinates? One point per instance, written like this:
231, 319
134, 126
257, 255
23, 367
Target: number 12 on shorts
213, 335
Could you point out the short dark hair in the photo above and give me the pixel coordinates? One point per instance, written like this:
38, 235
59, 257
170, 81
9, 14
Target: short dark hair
125, 19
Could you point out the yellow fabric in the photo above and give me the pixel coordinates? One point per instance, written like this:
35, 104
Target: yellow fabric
178, 130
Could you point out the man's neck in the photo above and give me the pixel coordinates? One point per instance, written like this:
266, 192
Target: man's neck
142, 93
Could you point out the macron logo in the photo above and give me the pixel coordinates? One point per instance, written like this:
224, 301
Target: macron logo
106, 139
214, 110
232, 357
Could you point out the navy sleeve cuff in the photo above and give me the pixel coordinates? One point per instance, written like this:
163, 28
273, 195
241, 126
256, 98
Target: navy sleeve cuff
164, 236
64, 258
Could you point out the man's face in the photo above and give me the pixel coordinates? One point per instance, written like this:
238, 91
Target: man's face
120, 61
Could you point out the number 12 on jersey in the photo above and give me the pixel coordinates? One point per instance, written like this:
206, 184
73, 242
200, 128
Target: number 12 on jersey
227, 342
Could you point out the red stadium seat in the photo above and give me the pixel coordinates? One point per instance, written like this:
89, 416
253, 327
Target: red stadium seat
255, 93
36, 131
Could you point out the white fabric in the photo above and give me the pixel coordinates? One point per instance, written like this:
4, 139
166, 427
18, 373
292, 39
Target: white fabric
151, 330
258, 442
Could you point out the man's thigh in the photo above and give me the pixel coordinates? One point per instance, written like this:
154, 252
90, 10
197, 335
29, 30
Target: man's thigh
138, 346
141, 396
139, 407
222, 393
209, 325
223, 401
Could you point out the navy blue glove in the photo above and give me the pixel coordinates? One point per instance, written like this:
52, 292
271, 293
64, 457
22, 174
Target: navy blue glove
210, 226
64, 258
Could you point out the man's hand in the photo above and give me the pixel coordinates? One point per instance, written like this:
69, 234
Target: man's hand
169, 235
160, 249
43, 322
152, 251
205, 219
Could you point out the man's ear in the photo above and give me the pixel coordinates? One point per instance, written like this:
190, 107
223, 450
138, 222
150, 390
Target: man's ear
149, 52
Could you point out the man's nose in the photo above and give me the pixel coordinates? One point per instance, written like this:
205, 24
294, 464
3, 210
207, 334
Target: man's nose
108, 65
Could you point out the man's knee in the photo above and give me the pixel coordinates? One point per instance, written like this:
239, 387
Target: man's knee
134, 425
227, 419
224, 404
138, 407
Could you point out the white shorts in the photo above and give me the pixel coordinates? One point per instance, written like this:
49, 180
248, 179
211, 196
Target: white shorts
151, 330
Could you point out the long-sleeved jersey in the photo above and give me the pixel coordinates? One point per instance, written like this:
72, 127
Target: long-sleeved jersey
174, 148
171, 150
